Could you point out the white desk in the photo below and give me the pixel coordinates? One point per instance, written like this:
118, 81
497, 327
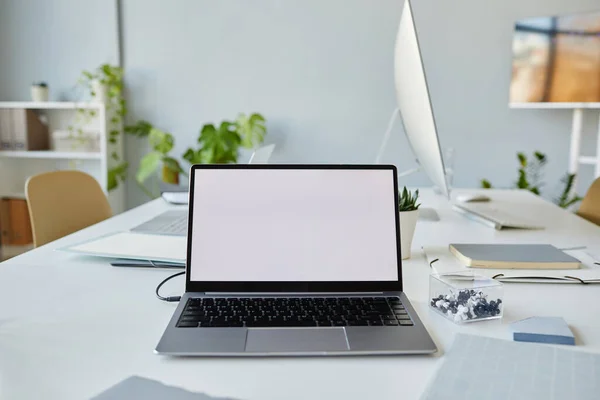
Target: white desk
70, 326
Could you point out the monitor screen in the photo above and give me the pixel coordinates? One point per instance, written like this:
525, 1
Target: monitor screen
556, 59
293, 225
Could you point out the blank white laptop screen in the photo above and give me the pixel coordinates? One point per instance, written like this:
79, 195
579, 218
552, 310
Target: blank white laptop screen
293, 225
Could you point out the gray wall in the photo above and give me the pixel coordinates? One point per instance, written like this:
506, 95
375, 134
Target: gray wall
53, 41
320, 71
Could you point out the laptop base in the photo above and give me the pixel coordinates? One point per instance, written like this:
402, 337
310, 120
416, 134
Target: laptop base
297, 341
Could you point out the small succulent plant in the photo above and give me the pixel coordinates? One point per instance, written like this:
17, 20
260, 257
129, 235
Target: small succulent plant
407, 200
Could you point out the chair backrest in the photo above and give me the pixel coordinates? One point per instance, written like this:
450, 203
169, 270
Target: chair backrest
590, 205
63, 202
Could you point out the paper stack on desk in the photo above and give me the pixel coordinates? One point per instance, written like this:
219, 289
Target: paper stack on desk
478, 368
135, 246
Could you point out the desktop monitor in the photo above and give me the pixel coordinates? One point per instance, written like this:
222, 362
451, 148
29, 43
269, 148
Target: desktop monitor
414, 104
556, 59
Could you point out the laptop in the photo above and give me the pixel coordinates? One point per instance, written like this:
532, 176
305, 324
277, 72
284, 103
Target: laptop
175, 222
306, 262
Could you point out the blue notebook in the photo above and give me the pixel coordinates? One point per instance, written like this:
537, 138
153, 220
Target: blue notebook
553, 330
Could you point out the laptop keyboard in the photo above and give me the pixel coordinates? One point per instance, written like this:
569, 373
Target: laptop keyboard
177, 227
293, 312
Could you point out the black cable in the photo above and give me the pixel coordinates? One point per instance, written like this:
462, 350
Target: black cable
170, 298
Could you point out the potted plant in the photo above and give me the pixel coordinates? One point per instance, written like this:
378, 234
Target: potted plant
161, 144
105, 84
220, 144
409, 213
39, 91
530, 173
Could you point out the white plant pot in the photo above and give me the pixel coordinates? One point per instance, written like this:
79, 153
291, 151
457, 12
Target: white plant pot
39, 93
408, 223
100, 91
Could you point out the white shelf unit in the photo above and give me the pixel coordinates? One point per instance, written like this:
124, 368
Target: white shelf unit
17, 166
51, 105
575, 157
50, 154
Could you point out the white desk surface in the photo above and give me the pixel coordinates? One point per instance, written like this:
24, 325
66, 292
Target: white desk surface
72, 326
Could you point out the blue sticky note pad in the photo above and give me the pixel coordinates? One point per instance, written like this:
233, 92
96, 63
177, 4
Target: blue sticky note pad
543, 330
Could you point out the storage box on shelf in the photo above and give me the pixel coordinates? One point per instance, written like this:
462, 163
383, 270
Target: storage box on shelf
68, 141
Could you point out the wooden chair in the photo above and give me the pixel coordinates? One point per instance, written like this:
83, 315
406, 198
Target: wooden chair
590, 205
63, 202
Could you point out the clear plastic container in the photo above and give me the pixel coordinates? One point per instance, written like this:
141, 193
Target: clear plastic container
465, 296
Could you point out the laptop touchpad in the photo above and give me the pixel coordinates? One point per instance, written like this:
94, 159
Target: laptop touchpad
266, 340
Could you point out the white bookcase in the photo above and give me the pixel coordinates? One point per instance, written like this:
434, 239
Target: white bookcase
17, 166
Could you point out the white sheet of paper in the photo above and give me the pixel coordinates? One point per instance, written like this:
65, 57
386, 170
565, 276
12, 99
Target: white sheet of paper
137, 246
478, 367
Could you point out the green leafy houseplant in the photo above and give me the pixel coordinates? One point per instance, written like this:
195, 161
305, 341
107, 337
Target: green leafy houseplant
220, 144
161, 144
407, 201
530, 173
565, 199
109, 79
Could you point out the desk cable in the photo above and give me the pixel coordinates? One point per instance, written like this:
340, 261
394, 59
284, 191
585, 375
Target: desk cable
170, 298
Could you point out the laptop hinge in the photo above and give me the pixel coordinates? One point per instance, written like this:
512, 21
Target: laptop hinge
288, 293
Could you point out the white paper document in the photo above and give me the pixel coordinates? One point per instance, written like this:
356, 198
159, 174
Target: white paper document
137, 246
480, 368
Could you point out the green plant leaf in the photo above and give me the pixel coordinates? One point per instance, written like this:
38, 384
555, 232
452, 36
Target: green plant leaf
565, 200
407, 201
173, 164
540, 157
115, 174
522, 182
148, 166
485, 184
574, 200
161, 141
522, 159
217, 145
140, 129
251, 129
191, 156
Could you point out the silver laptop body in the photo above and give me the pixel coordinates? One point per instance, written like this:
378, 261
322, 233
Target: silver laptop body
294, 260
